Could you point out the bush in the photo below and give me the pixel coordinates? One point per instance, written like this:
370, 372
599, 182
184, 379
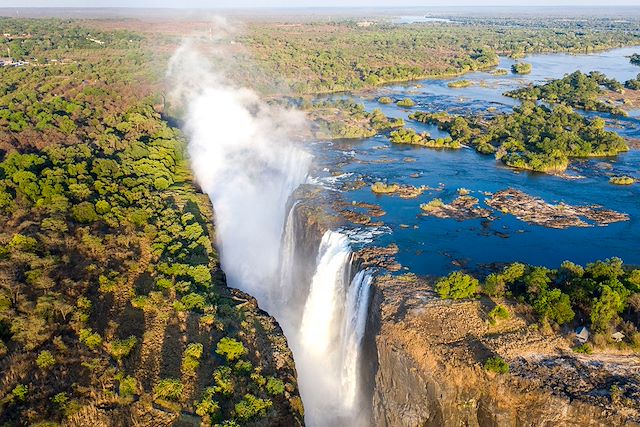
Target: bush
231, 349
224, 381
168, 388
583, 349
250, 407
120, 349
91, 339
385, 100
497, 365
382, 188
275, 386
84, 213
128, 387
207, 407
498, 312
457, 285
45, 360
103, 207
191, 358
19, 392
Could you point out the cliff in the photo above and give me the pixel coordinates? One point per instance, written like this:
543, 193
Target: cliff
427, 359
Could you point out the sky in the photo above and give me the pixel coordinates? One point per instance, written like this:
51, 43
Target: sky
306, 3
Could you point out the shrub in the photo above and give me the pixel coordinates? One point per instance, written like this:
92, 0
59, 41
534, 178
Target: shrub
128, 387
193, 301
243, 366
497, 365
207, 407
583, 349
45, 360
457, 285
224, 381
459, 84
231, 349
120, 349
433, 204
60, 399
91, 339
251, 406
191, 357
385, 100
19, 392
498, 312
275, 386
23, 243
168, 388
103, 207
84, 213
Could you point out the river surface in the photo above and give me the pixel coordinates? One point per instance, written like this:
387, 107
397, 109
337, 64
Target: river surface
433, 246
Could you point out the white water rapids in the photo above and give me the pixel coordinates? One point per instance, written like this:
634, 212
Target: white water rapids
242, 157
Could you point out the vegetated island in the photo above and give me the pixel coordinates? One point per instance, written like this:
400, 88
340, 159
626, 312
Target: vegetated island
343, 119
411, 137
532, 137
457, 84
462, 208
584, 91
521, 68
635, 59
622, 180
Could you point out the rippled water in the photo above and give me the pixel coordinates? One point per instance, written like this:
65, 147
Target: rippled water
429, 245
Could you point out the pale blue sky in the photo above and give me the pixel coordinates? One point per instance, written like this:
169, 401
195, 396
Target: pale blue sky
305, 3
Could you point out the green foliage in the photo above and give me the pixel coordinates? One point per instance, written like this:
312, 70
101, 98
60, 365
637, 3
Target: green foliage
207, 406
385, 100
231, 349
406, 102
251, 407
91, 339
496, 365
19, 392
45, 360
576, 89
635, 59
60, 399
128, 387
498, 312
223, 378
275, 386
23, 243
621, 180
460, 84
457, 285
119, 349
583, 349
521, 68
554, 305
168, 388
84, 213
191, 357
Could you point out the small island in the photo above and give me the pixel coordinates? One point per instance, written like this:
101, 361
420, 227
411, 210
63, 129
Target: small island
406, 102
411, 137
457, 84
521, 68
635, 59
621, 180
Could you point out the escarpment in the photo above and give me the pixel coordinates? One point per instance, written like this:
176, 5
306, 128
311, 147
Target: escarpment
428, 367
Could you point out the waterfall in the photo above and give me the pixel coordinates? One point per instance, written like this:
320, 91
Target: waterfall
330, 336
242, 157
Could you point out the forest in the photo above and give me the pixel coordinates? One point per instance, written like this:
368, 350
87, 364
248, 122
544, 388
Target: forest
577, 90
106, 252
603, 295
533, 137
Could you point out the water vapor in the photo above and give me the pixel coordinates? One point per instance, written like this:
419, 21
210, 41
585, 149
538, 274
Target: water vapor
243, 158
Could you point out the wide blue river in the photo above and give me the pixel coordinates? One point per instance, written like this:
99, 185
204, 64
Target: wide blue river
435, 246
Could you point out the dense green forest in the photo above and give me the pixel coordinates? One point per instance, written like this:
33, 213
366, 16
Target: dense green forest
604, 295
338, 56
112, 303
533, 137
577, 90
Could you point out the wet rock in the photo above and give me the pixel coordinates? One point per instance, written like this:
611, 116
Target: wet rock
536, 211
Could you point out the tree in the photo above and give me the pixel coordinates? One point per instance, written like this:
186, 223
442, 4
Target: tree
84, 213
605, 308
497, 365
457, 285
45, 360
554, 305
231, 349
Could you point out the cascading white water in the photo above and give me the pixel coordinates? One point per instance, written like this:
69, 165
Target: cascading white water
242, 158
330, 338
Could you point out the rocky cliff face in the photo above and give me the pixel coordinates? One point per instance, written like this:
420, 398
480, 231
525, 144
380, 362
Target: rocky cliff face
427, 368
